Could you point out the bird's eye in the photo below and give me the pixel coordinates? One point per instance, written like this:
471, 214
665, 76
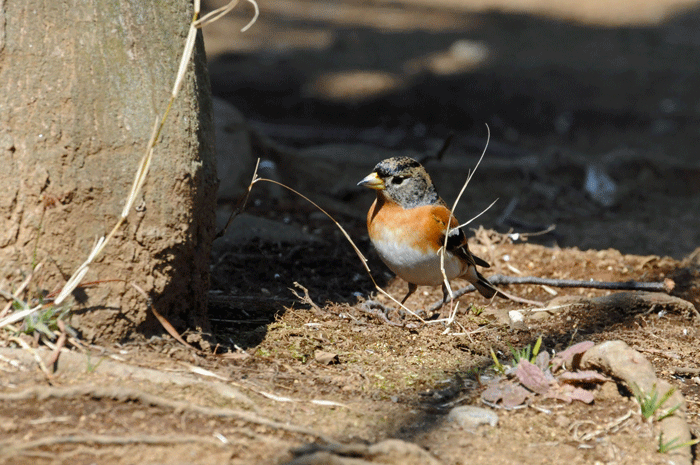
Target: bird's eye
397, 180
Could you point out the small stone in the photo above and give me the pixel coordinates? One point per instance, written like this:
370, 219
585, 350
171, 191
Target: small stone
470, 417
561, 421
516, 316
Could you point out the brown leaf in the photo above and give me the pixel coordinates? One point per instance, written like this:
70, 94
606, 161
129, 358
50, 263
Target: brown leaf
542, 360
493, 392
582, 377
515, 395
509, 394
326, 358
569, 393
567, 356
532, 377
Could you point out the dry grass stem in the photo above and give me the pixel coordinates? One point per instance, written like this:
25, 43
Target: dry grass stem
219, 12
347, 236
162, 320
477, 216
454, 206
17, 316
36, 356
20, 289
241, 203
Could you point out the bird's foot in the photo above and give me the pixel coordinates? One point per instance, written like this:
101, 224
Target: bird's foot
379, 310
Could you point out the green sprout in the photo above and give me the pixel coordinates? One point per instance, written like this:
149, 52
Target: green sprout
45, 321
665, 447
650, 403
497, 365
526, 353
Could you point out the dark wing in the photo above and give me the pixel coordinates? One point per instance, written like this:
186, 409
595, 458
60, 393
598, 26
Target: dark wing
457, 244
456, 240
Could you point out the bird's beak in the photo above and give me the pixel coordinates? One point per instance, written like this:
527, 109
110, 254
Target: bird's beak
373, 181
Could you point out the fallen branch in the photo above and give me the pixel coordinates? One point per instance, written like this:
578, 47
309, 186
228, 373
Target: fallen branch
306, 299
498, 279
631, 285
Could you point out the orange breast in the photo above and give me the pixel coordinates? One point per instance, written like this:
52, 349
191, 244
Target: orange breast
422, 228
407, 241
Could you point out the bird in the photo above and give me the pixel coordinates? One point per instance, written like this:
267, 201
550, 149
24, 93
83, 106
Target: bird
407, 224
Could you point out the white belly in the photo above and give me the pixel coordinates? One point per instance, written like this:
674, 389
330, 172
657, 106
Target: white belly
415, 266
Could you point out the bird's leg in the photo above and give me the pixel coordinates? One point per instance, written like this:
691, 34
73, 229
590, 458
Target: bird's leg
445, 295
411, 289
445, 298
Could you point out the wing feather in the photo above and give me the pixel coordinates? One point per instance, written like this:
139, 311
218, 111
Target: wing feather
457, 240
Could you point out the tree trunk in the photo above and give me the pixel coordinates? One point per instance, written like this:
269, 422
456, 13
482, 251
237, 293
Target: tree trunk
82, 84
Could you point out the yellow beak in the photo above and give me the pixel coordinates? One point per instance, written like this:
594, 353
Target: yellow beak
373, 181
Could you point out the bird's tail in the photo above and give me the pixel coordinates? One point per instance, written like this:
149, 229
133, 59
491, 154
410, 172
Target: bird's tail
483, 285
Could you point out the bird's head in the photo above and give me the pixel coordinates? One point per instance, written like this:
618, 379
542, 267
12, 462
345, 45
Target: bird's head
402, 180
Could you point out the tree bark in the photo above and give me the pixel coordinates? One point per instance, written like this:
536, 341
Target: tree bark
82, 84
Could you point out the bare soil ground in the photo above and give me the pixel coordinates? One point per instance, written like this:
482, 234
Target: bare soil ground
290, 372
385, 382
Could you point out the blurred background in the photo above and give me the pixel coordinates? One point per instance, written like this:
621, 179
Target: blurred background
593, 108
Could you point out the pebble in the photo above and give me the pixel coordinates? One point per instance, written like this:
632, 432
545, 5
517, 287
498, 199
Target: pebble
470, 417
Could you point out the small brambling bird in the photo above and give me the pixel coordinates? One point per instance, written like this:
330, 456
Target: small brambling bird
407, 224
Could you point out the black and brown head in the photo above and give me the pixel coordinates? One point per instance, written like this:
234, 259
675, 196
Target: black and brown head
402, 180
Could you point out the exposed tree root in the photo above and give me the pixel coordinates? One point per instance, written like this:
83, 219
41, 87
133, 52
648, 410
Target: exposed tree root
122, 394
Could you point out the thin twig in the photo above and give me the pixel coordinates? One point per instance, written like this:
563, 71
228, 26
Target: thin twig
241, 203
686, 371
306, 298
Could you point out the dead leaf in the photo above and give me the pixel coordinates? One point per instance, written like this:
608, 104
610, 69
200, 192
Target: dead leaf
582, 377
567, 356
326, 358
542, 360
508, 393
569, 393
532, 377
242, 355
